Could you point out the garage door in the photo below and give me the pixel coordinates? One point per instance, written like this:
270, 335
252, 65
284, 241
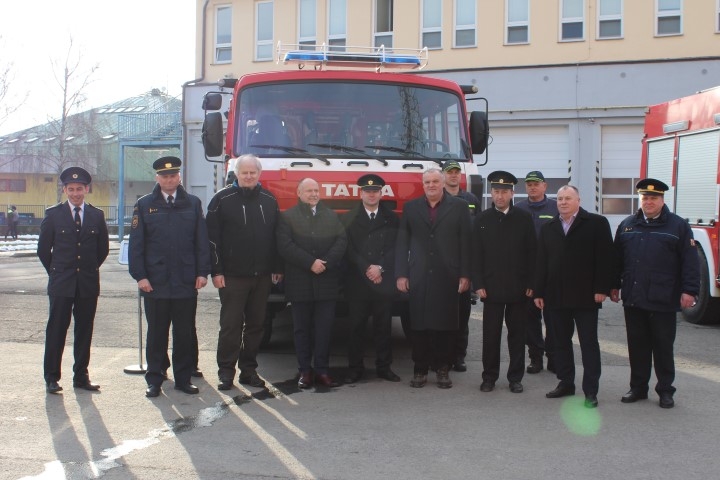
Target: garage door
520, 150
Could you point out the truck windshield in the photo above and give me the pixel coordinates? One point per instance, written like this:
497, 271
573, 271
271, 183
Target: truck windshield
346, 119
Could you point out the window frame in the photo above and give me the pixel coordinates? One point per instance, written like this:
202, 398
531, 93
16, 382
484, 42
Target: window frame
457, 27
433, 29
668, 14
390, 33
222, 47
571, 20
516, 24
336, 41
302, 10
613, 17
264, 43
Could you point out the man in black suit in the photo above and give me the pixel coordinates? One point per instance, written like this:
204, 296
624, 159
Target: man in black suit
432, 265
574, 275
369, 279
169, 257
72, 246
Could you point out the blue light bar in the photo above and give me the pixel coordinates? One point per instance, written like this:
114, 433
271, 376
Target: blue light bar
321, 56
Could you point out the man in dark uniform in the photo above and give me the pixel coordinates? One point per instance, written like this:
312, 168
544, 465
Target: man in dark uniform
72, 246
542, 209
312, 242
659, 275
432, 264
453, 174
574, 274
503, 264
371, 229
170, 260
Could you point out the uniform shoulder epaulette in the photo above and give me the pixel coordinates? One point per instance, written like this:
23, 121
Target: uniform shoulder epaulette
57, 205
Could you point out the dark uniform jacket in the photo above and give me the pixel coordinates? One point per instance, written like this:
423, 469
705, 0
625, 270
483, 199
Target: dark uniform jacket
542, 211
241, 226
73, 261
301, 239
472, 201
434, 256
503, 249
572, 268
370, 243
658, 261
169, 245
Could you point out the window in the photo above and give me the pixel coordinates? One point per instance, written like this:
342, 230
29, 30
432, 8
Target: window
337, 24
619, 196
517, 23
307, 27
572, 21
717, 17
669, 17
223, 35
384, 23
465, 23
432, 24
610, 19
264, 31
10, 185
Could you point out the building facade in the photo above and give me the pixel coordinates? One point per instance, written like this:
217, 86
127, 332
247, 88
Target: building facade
567, 81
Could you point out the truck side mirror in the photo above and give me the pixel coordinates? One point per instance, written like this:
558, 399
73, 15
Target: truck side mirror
212, 101
479, 132
212, 134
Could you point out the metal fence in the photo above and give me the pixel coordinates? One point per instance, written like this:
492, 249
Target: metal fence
33, 214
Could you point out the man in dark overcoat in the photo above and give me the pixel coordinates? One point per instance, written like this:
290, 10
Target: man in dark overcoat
659, 275
574, 274
72, 246
369, 279
312, 241
503, 263
432, 265
169, 257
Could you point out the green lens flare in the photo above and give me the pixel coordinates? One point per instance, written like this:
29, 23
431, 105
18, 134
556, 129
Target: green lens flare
578, 419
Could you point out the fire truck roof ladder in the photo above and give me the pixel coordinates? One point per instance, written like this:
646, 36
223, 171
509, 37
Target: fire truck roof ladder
322, 56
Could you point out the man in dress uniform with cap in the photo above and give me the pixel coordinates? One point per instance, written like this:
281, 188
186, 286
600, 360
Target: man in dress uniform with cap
542, 209
453, 174
503, 260
72, 246
659, 275
170, 260
371, 229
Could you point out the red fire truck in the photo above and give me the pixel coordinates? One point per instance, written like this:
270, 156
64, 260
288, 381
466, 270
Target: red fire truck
339, 113
681, 148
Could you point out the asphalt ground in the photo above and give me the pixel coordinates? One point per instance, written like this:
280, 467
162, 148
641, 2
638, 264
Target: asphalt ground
372, 429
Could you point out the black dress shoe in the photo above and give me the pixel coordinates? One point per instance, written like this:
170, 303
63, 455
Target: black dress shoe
534, 367
305, 380
487, 386
325, 380
87, 385
225, 384
389, 375
253, 380
197, 373
152, 391
460, 366
633, 396
666, 400
561, 391
516, 387
591, 401
188, 388
53, 387
353, 376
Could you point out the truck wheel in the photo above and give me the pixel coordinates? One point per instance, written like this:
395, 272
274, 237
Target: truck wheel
707, 309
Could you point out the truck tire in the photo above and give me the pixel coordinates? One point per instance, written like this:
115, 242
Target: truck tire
707, 309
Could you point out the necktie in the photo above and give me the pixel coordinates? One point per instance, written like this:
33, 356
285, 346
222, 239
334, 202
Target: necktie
372, 216
170, 200
77, 218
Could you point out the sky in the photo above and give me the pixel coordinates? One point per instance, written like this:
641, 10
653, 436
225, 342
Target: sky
137, 45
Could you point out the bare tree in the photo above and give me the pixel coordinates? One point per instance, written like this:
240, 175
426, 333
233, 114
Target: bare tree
9, 103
